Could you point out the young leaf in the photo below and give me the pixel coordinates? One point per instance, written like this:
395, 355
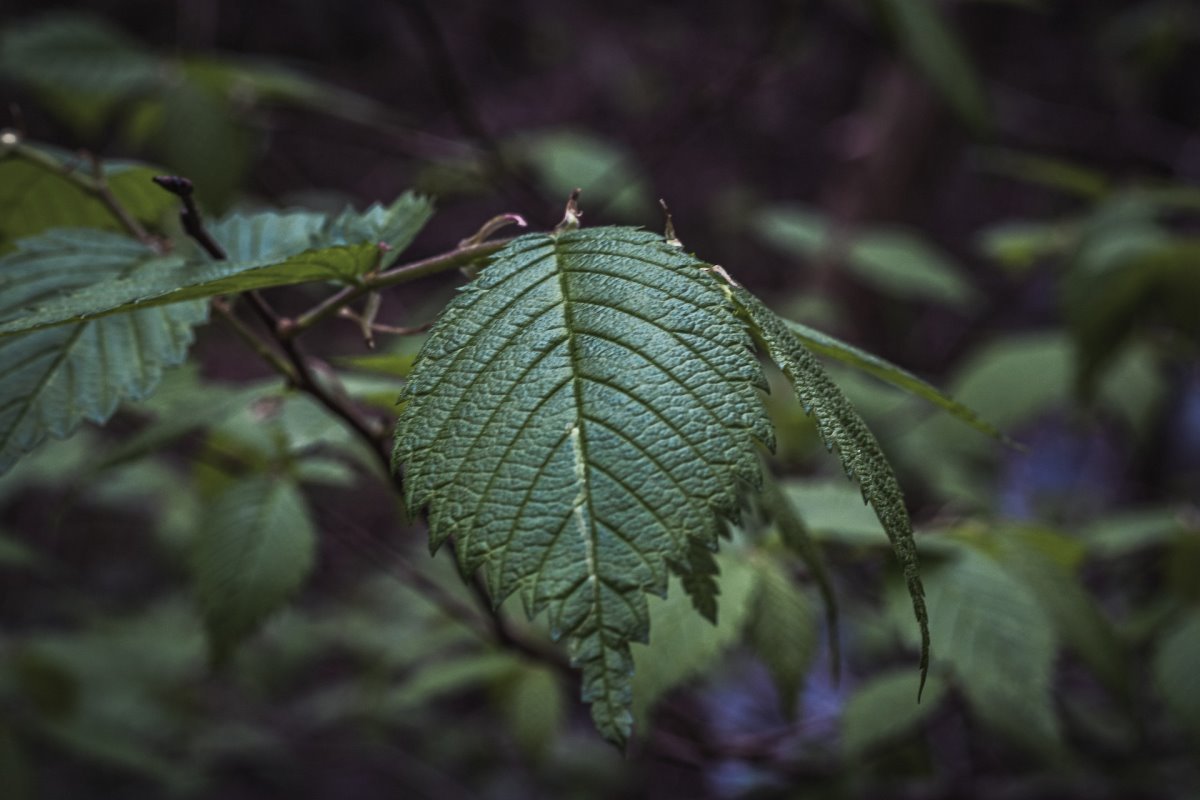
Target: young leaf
841, 427
52, 380
581, 413
266, 249
254, 549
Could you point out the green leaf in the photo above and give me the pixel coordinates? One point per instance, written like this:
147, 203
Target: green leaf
265, 250
533, 705
1175, 672
54, 379
1000, 645
254, 549
826, 345
783, 631
842, 428
892, 260
686, 645
564, 159
882, 711
581, 413
36, 196
925, 36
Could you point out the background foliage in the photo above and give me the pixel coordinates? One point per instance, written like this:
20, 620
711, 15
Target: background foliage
1000, 196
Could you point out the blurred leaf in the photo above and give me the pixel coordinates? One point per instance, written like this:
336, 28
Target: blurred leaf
783, 631
54, 379
327, 471
15, 554
1029, 555
253, 551
892, 260
905, 266
835, 511
1122, 534
533, 704
79, 63
14, 766
826, 345
564, 160
685, 644
444, 677
1053, 173
999, 643
279, 250
1174, 665
926, 37
35, 197
884, 710
1020, 245
200, 138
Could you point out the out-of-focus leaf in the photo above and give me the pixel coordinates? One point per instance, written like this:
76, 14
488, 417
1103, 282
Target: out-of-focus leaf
533, 704
834, 511
1078, 622
1175, 672
51, 380
884, 710
892, 260
253, 551
685, 644
199, 137
783, 631
34, 196
1020, 245
434, 681
564, 160
999, 644
927, 38
265, 250
1053, 173
15, 554
1119, 535
14, 766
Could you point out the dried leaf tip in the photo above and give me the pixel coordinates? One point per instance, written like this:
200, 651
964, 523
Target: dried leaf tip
669, 229
571, 215
493, 225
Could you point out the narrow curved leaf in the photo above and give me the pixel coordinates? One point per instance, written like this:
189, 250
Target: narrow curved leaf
254, 549
267, 249
582, 412
842, 428
52, 380
873, 365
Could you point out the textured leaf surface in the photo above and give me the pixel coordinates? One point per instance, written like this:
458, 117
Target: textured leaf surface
52, 380
265, 250
254, 549
581, 413
842, 428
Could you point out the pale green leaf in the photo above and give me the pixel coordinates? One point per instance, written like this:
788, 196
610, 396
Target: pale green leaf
35, 196
842, 428
882, 711
685, 645
253, 550
783, 631
582, 412
1175, 665
532, 703
826, 345
54, 379
265, 250
999, 643
834, 512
